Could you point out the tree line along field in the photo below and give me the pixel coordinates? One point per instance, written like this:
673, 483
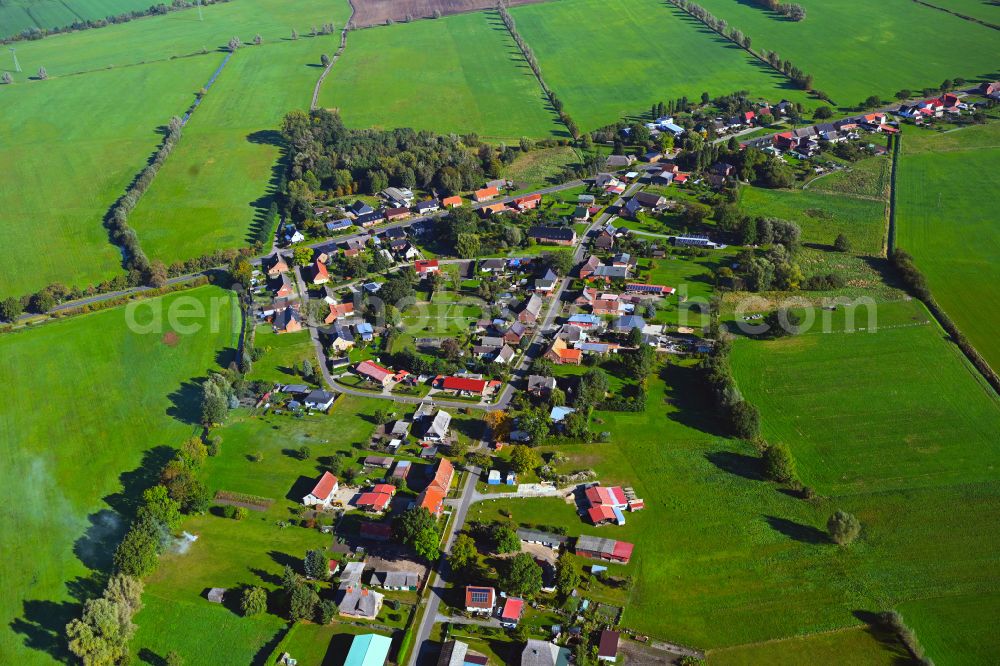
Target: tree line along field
946, 218
173, 35
68, 160
606, 60
19, 15
909, 449
222, 171
855, 49
94, 410
983, 10
460, 74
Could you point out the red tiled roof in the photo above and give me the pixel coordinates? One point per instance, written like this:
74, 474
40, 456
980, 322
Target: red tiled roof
422, 265
377, 501
464, 384
487, 192
487, 592
386, 488
321, 270
451, 201
512, 609
599, 513
623, 550
325, 485
431, 499
373, 370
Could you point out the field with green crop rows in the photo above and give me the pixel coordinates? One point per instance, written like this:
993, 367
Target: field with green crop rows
855, 49
460, 74
609, 59
175, 35
67, 163
95, 410
221, 173
19, 15
946, 218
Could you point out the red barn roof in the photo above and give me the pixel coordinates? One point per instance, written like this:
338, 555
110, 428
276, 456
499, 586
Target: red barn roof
464, 384
374, 370
623, 551
377, 501
325, 485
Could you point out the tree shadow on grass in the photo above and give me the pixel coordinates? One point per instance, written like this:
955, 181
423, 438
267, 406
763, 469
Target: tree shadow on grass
797, 531
747, 467
186, 403
300, 488
97, 545
43, 626
686, 390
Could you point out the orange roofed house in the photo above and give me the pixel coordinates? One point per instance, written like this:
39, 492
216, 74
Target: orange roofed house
485, 194
560, 353
432, 497
451, 202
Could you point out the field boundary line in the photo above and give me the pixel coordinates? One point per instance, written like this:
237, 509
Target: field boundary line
889, 240
971, 19
826, 632
336, 56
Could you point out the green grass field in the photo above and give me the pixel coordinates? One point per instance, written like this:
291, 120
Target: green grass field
855, 49
69, 161
956, 630
841, 439
175, 35
460, 74
865, 178
946, 220
93, 414
607, 60
847, 646
220, 174
539, 167
822, 216
984, 10
20, 15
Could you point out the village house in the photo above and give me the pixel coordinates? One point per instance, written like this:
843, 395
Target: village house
514, 333
339, 225
425, 267
322, 493
437, 427
492, 265
584, 321
480, 599
351, 575
485, 194
528, 202
510, 612
428, 206
432, 497
560, 353
581, 214
467, 385
282, 286
320, 400
532, 308
649, 289
360, 602
393, 214
546, 284
287, 320
275, 265
505, 355
402, 469
457, 653
359, 207
544, 653
341, 337
399, 197
607, 646
552, 235
338, 310
452, 202
493, 209
541, 386
606, 504
374, 372
554, 541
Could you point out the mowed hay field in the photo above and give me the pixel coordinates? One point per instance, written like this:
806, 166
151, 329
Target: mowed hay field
95, 406
461, 74
608, 59
219, 176
71, 146
946, 218
855, 49
175, 34
19, 15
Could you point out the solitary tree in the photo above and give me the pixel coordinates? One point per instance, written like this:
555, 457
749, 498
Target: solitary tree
522, 576
6, 78
506, 539
843, 528
325, 60
42, 74
842, 244
257, 40
295, 34
524, 459
235, 43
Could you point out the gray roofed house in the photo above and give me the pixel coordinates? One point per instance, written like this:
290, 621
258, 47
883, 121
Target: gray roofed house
531, 309
350, 575
424, 410
544, 538
438, 428
395, 580
626, 323
505, 355
611, 272
491, 265
619, 161
295, 388
453, 653
491, 341
320, 400
570, 333
649, 199
398, 196
544, 653
360, 208
359, 602
540, 385
428, 206
400, 428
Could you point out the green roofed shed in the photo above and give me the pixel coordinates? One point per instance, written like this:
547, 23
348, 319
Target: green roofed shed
368, 650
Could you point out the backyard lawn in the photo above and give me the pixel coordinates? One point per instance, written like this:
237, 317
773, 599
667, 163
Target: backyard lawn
96, 412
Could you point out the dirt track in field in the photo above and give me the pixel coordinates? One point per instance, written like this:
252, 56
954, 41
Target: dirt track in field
376, 12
